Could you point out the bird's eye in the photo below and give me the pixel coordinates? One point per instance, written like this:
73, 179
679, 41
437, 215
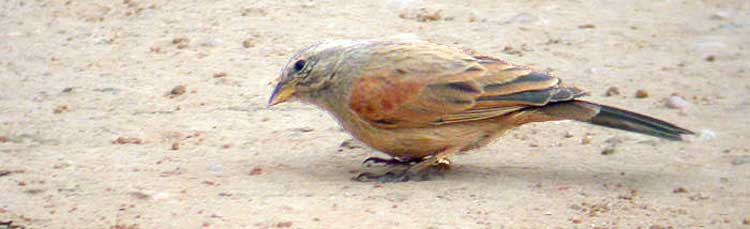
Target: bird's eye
299, 65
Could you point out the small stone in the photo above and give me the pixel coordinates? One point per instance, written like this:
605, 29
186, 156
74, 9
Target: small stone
212, 42
220, 75
612, 144
284, 224
609, 150
676, 102
61, 109
303, 129
349, 144
161, 196
177, 91
586, 139
253, 12
746, 221
216, 169
3, 139
679, 190
706, 135
255, 171
181, 42
612, 91
425, 16
523, 18
139, 195
587, 26
741, 160
699, 196
125, 140
710, 58
568, 134
721, 15
248, 43
176, 146
641, 94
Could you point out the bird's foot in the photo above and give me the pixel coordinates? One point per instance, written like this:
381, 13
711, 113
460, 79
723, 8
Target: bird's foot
401, 171
394, 161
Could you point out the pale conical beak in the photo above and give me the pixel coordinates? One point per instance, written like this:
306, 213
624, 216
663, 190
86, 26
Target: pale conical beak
281, 93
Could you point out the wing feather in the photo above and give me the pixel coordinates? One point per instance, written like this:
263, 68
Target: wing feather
478, 88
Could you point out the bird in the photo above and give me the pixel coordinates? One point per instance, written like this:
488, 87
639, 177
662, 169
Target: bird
421, 102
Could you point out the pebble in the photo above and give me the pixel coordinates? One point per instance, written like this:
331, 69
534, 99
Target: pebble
699, 196
212, 42
349, 144
586, 139
61, 109
677, 102
706, 134
523, 18
568, 134
216, 169
161, 196
612, 91
710, 58
248, 43
721, 15
641, 94
710, 44
609, 150
181, 42
256, 171
177, 91
612, 144
741, 160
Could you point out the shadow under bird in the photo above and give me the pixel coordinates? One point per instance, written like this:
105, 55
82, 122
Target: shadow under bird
421, 102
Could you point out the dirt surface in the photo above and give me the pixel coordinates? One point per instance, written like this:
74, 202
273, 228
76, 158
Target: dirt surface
152, 114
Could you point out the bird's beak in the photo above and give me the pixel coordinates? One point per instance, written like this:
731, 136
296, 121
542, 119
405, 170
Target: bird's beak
281, 93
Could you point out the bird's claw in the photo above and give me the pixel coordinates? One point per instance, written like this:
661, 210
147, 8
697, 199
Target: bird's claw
376, 161
402, 172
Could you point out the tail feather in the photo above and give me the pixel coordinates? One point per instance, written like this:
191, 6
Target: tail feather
626, 120
602, 115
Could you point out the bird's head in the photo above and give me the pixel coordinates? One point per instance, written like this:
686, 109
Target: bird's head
311, 70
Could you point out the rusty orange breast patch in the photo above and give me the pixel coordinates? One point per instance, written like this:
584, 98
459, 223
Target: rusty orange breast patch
378, 97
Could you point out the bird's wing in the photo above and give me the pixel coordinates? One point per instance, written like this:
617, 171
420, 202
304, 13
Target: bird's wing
480, 88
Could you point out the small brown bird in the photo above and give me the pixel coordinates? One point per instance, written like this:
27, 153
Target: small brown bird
421, 102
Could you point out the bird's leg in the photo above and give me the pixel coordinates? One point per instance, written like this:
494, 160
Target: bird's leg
418, 171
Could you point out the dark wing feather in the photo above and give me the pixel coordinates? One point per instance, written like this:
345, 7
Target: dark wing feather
481, 88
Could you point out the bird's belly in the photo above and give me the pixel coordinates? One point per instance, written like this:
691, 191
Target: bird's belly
417, 142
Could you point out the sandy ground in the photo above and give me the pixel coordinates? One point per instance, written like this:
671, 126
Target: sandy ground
92, 137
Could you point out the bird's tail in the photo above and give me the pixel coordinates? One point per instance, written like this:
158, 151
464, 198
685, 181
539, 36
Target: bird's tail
613, 117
